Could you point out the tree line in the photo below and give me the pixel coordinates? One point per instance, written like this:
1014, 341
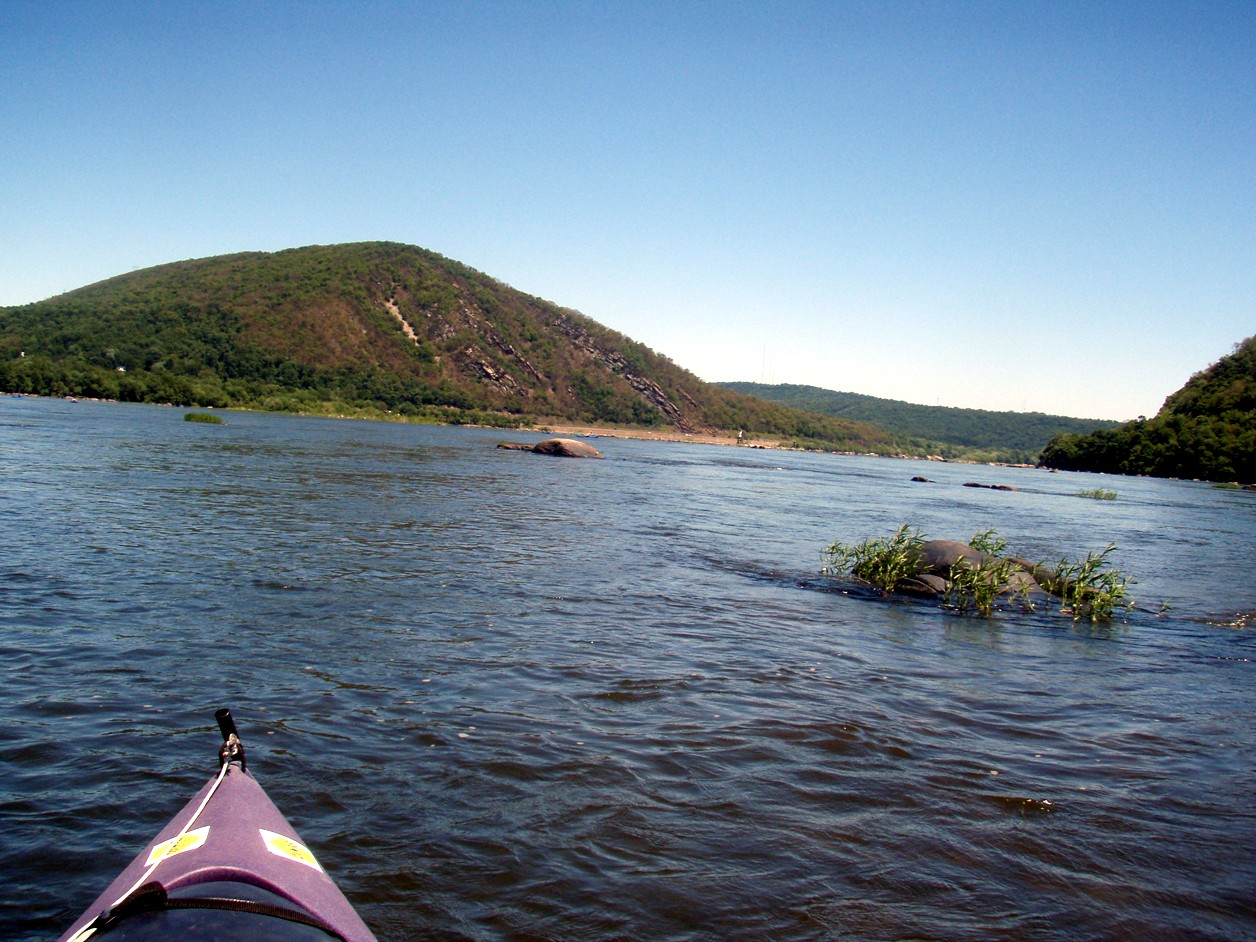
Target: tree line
1206, 430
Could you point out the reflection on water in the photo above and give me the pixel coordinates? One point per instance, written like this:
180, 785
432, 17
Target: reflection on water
510, 697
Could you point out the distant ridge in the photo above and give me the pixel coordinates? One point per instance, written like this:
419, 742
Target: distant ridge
372, 327
969, 433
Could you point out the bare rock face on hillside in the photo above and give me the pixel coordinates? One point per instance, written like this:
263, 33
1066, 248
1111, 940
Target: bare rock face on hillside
559, 447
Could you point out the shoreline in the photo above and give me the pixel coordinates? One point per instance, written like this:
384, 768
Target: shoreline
562, 430
589, 431
652, 435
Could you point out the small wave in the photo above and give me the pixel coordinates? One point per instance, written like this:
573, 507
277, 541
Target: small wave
638, 690
279, 586
1025, 807
1236, 620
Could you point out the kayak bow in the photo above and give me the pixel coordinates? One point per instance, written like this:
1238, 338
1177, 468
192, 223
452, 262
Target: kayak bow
226, 867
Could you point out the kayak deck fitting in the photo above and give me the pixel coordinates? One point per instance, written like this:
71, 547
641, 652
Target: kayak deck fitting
228, 866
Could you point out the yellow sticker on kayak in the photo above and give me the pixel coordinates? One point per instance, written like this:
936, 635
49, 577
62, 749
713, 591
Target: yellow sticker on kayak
177, 845
286, 847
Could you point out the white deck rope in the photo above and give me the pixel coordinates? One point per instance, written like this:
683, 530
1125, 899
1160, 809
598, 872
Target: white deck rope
90, 929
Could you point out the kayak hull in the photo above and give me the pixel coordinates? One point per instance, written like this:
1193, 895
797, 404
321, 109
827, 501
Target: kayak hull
230, 836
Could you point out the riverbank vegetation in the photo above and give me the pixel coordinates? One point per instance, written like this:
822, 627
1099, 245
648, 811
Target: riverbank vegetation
1206, 430
376, 329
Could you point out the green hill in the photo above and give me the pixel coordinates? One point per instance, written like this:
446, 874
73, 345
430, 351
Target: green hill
370, 328
954, 433
1206, 430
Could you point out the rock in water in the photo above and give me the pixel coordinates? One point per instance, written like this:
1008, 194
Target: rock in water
938, 557
566, 448
924, 585
560, 447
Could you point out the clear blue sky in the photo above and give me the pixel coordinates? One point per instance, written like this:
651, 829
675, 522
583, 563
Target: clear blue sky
1030, 206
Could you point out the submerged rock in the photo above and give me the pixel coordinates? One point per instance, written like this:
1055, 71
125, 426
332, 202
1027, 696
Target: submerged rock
926, 585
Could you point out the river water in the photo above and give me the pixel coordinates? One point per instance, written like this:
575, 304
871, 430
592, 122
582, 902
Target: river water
505, 696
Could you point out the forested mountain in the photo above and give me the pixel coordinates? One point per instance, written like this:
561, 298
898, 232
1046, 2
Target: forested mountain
369, 326
969, 433
1207, 430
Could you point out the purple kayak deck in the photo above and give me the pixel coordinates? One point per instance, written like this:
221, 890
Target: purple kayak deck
239, 836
